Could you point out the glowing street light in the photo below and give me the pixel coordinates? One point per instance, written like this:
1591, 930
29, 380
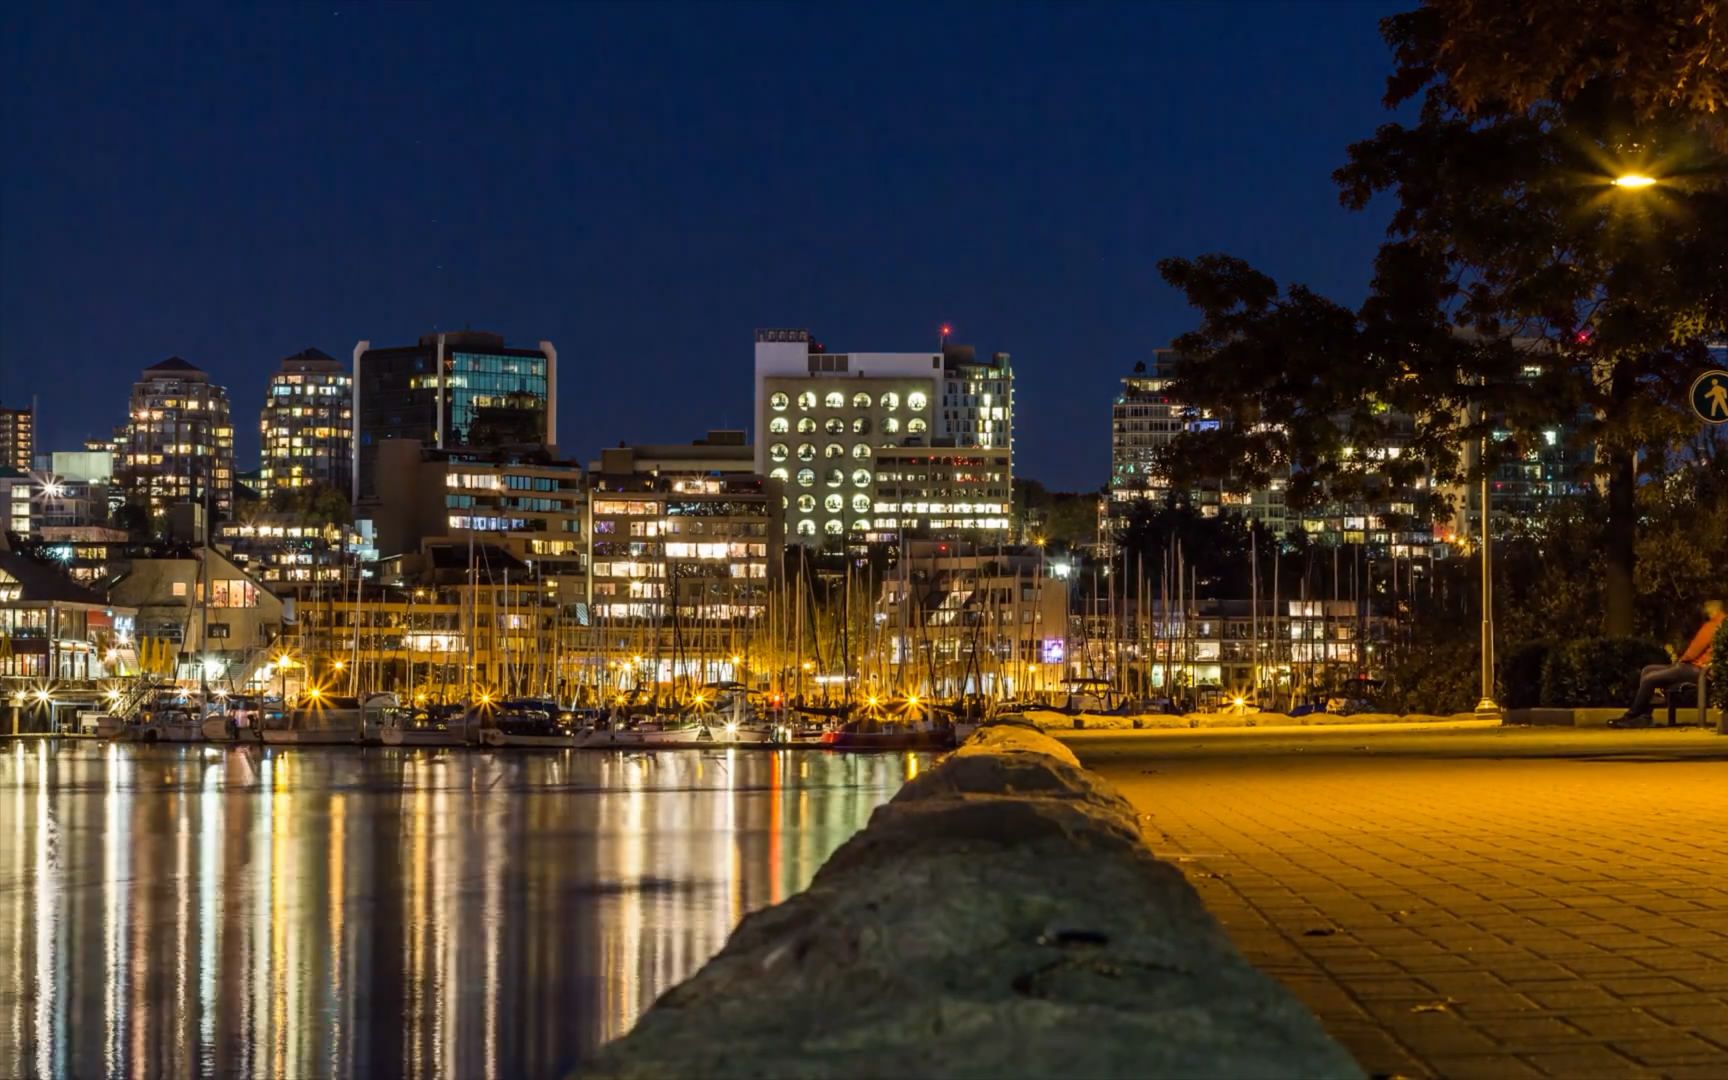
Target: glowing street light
1633, 181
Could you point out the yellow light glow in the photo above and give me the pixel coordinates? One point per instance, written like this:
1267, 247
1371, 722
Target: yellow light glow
911, 699
736, 660
339, 665
41, 695
1634, 180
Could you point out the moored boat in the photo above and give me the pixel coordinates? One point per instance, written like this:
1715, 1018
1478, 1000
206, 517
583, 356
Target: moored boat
529, 725
426, 727
323, 720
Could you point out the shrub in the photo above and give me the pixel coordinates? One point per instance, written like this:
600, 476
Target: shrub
1439, 678
1521, 674
1596, 671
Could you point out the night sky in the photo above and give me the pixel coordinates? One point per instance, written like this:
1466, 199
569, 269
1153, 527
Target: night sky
646, 185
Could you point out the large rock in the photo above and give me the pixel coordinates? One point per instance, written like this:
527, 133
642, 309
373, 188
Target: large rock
1000, 917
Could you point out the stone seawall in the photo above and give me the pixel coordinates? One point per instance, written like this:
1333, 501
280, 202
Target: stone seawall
1000, 917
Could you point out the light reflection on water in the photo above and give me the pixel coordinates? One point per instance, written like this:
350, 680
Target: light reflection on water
193, 911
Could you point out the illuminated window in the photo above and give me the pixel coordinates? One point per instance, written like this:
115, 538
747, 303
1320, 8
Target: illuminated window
862, 525
861, 426
777, 452
806, 425
862, 450
917, 426
835, 400
777, 426
806, 503
860, 477
777, 402
890, 426
806, 452
777, 474
806, 477
836, 477
807, 400
860, 504
833, 527
833, 504
835, 426
890, 401
806, 528
860, 400
916, 401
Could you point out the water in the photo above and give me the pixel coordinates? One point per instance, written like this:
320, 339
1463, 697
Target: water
307, 912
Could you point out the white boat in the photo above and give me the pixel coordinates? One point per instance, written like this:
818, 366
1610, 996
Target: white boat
238, 720
177, 724
661, 731
422, 727
327, 721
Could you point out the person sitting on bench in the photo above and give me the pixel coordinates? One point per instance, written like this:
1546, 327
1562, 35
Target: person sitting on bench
1685, 669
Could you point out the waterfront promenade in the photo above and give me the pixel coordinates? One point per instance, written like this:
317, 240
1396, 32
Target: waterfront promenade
1492, 902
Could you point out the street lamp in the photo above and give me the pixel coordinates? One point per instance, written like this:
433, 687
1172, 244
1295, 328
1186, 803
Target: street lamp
1633, 181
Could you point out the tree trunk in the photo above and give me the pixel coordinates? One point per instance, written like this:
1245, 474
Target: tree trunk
1620, 535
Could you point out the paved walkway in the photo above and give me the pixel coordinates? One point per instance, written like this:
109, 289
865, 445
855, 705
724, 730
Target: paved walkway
1468, 903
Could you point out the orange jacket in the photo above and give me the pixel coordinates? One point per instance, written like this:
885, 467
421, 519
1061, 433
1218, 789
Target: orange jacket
1698, 653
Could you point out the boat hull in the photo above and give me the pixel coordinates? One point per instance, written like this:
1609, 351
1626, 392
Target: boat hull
937, 739
500, 740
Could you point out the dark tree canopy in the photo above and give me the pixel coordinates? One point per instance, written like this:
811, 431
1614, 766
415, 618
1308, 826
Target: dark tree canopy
1519, 290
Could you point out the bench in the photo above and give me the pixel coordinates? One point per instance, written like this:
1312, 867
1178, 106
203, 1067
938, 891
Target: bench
1673, 696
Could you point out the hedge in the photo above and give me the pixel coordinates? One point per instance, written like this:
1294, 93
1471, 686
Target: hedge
1592, 672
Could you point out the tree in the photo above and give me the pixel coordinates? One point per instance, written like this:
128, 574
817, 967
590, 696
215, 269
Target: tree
1519, 289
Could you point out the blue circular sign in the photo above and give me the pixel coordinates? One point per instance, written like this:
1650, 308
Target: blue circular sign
1710, 397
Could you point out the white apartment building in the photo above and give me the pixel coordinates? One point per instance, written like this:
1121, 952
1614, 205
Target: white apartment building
825, 421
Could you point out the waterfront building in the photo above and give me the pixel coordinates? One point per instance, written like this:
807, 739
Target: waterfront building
969, 618
179, 441
689, 532
53, 630
306, 429
521, 499
1209, 651
823, 420
18, 438
218, 620
460, 390
442, 624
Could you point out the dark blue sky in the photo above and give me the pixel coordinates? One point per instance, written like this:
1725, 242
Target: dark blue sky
645, 185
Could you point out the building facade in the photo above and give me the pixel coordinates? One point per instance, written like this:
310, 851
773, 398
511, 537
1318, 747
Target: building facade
306, 429
18, 438
823, 420
290, 555
179, 441
451, 391
521, 499
685, 533
1144, 420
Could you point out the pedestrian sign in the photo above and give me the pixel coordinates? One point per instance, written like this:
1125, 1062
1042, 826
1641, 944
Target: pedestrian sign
1710, 396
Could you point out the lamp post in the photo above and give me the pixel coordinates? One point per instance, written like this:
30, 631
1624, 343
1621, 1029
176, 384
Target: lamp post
1487, 708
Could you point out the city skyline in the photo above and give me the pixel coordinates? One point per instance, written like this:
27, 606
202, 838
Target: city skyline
651, 260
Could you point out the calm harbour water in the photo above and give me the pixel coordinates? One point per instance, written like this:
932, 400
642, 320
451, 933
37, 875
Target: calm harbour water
315, 912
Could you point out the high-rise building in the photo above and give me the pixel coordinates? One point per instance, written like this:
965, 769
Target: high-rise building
943, 418
18, 438
452, 391
1144, 420
307, 426
179, 441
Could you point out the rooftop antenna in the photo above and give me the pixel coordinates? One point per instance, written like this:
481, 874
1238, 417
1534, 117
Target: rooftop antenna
942, 344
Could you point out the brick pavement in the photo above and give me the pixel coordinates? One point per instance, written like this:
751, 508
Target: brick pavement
1452, 915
